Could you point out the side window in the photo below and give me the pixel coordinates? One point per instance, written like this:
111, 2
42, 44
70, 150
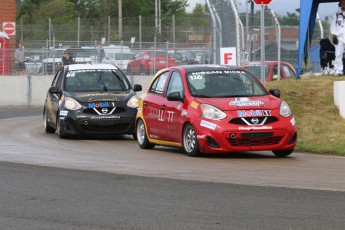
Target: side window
157, 86
288, 71
60, 77
175, 84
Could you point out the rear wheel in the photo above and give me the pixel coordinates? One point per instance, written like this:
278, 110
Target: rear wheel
142, 70
142, 138
46, 125
190, 142
60, 128
282, 153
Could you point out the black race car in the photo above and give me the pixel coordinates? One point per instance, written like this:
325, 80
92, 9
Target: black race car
90, 99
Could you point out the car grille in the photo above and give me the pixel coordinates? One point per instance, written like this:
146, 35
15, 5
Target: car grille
93, 112
241, 120
108, 128
255, 139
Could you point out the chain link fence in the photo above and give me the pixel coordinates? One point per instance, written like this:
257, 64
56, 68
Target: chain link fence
139, 33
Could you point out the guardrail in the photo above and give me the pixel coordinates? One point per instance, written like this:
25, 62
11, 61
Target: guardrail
32, 90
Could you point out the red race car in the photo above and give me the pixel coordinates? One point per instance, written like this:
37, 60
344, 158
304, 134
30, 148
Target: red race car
214, 109
271, 70
149, 61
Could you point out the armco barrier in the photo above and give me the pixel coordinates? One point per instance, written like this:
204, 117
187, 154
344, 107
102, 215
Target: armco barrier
339, 96
32, 90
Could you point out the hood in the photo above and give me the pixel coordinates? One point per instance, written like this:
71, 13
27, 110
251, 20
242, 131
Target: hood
97, 97
236, 103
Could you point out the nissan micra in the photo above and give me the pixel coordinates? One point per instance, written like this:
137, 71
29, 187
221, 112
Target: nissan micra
90, 99
214, 109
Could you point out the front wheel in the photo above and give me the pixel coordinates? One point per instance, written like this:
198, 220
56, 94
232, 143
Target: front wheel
142, 138
282, 153
60, 129
190, 142
46, 125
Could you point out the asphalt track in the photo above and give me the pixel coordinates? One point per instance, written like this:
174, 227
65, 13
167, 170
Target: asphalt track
23, 140
49, 183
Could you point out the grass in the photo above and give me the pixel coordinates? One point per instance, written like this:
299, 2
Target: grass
320, 127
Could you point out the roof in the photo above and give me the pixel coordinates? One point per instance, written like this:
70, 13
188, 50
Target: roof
206, 67
90, 66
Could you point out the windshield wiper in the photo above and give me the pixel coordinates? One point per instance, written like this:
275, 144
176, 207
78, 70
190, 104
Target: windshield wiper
120, 81
201, 95
102, 83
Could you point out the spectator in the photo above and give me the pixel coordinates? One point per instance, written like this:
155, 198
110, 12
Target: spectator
67, 59
19, 59
338, 37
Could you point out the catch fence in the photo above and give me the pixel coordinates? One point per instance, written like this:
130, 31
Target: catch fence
139, 33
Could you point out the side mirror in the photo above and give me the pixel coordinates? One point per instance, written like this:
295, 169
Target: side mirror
54, 90
174, 96
137, 88
275, 92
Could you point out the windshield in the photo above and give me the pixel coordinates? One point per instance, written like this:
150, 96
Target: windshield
158, 53
58, 54
224, 83
256, 70
96, 81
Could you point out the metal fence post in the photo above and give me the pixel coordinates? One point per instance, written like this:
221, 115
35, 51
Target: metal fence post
78, 39
173, 31
140, 32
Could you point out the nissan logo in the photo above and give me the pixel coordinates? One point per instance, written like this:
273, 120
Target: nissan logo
104, 110
255, 120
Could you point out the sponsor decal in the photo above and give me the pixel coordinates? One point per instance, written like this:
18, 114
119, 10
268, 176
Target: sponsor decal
200, 136
162, 115
293, 121
208, 125
73, 72
102, 95
104, 117
99, 105
253, 113
63, 113
243, 101
154, 137
255, 128
183, 113
194, 105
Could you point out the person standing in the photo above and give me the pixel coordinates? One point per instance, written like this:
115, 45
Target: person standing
67, 59
19, 59
338, 37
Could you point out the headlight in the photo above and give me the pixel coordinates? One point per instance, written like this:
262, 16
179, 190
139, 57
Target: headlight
71, 104
133, 102
284, 109
211, 112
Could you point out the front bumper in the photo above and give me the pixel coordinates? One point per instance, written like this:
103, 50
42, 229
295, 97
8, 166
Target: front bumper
222, 138
78, 123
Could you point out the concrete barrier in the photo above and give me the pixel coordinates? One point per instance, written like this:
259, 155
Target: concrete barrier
339, 96
32, 90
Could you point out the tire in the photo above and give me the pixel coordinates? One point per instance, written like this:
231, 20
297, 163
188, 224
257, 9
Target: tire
142, 138
282, 153
129, 70
47, 127
60, 129
142, 70
190, 142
